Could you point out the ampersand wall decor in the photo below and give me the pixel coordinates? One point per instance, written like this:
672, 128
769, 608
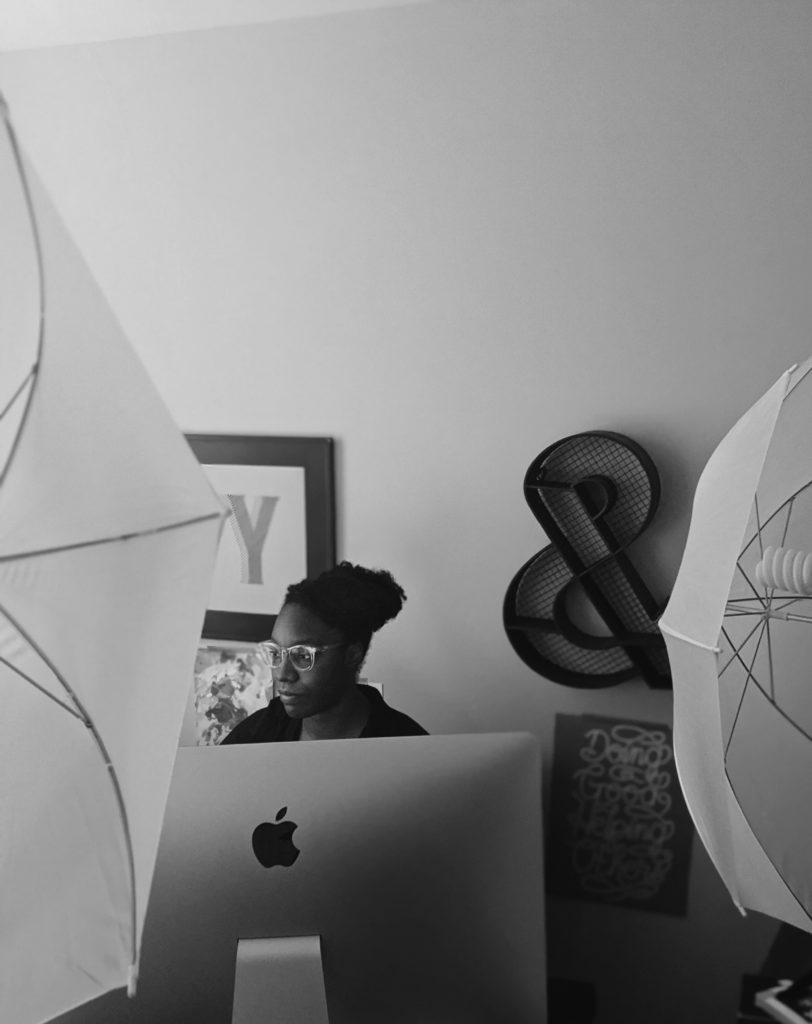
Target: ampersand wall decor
593, 494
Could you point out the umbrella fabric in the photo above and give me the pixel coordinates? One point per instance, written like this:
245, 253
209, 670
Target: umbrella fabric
740, 667
108, 534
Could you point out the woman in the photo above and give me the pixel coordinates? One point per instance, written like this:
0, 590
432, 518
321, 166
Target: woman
319, 642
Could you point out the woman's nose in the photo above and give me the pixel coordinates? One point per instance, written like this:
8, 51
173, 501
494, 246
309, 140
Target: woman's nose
286, 671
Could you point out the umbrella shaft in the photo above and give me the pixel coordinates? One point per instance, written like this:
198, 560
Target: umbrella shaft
770, 613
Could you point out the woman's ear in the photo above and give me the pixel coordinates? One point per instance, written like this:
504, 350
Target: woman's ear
355, 655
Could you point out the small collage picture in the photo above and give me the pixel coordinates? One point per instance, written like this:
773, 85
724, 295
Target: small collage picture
230, 682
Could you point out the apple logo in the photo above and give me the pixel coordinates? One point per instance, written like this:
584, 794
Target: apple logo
273, 843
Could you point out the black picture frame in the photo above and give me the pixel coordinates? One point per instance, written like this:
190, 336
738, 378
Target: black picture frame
315, 455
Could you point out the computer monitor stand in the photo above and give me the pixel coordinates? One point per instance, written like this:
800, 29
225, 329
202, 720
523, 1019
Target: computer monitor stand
282, 974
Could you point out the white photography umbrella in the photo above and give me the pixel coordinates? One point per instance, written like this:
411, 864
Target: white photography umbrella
738, 628
108, 534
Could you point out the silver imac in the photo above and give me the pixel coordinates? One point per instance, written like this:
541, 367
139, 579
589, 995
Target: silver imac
412, 866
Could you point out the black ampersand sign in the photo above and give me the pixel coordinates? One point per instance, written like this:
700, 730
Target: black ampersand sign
593, 494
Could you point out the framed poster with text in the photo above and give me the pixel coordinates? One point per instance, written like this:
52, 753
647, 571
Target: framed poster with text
280, 499
619, 831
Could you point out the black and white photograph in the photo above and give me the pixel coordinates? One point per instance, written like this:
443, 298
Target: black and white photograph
405, 511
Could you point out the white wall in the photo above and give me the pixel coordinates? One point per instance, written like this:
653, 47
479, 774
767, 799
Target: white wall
448, 236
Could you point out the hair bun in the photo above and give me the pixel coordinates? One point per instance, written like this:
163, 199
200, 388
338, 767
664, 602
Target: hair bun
375, 593
352, 598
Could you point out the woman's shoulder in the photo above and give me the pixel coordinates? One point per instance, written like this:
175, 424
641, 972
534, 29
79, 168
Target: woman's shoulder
262, 726
384, 720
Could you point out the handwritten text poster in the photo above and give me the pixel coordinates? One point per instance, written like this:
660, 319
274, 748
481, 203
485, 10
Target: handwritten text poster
620, 832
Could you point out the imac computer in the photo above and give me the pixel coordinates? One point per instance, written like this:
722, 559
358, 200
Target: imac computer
407, 871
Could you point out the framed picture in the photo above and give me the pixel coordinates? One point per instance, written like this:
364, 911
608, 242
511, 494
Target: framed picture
230, 682
279, 493
619, 831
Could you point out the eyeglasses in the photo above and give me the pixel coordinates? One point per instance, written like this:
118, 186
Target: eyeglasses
302, 656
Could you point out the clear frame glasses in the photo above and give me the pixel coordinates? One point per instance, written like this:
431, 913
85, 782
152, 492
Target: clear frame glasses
302, 656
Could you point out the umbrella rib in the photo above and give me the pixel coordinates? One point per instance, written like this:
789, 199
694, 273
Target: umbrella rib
760, 527
789, 516
758, 524
735, 649
29, 205
786, 717
787, 602
774, 704
750, 677
775, 610
43, 690
59, 548
770, 659
31, 373
756, 595
87, 721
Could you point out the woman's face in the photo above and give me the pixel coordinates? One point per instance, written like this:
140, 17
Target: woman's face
304, 694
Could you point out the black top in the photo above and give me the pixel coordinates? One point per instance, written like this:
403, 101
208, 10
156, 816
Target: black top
272, 724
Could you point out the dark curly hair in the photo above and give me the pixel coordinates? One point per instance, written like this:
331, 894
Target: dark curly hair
355, 600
